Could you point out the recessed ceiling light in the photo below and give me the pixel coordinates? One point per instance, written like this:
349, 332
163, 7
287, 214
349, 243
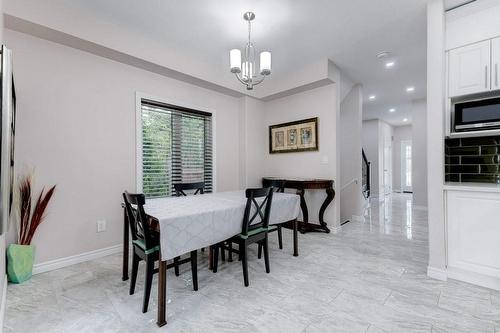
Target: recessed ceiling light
390, 64
410, 89
405, 120
372, 97
392, 110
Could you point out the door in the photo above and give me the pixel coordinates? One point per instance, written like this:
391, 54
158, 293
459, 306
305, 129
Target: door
406, 163
469, 69
495, 63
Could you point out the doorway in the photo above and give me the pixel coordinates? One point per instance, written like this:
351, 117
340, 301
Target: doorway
406, 166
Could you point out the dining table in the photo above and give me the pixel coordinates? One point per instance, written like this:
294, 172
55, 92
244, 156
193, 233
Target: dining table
189, 223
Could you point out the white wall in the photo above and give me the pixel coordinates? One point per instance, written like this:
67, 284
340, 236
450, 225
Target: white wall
350, 194
401, 133
76, 126
322, 103
419, 153
435, 137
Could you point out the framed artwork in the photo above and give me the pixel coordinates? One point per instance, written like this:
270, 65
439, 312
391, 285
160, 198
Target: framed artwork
295, 136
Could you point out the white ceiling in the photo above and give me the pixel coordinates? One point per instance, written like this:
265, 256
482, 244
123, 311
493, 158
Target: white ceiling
349, 32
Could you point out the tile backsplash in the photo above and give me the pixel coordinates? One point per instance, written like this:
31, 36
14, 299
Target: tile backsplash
473, 159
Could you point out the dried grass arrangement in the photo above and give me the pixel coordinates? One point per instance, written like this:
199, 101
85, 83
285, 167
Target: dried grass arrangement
30, 219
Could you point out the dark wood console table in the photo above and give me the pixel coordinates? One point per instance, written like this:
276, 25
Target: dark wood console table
302, 184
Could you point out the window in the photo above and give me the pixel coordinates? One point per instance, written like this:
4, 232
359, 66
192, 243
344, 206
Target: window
176, 148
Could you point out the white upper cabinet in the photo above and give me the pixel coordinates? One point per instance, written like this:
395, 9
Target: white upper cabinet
469, 69
495, 63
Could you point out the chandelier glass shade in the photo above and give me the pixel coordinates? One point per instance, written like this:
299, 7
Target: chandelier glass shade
244, 67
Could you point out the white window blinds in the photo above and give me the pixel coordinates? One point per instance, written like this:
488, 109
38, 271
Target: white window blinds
176, 148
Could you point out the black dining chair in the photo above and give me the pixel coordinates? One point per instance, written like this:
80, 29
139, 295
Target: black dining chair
146, 245
196, 187
179, 188
254, 229
278, 186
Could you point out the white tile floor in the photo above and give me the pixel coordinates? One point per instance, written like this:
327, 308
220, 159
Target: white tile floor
371, 277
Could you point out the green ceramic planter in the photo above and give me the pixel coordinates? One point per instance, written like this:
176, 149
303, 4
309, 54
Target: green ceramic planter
20, 262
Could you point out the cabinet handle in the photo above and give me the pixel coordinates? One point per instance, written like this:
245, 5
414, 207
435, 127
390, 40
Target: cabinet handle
486, 76
496, 75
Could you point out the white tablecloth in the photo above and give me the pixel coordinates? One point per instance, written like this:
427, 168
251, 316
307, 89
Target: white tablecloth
192, 222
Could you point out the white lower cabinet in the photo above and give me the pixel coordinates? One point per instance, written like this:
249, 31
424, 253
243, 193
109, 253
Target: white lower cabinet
473, 229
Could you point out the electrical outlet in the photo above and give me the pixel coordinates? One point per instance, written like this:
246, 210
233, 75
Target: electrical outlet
101, 225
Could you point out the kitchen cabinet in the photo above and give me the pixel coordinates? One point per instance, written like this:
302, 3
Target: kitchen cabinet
469, 69
473, 230
495, 64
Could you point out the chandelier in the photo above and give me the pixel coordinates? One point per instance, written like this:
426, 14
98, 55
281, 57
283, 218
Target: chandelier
245, 71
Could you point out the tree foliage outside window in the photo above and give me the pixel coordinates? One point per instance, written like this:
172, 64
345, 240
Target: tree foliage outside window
176, 148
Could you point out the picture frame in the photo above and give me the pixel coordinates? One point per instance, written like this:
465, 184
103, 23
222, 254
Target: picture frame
295, 136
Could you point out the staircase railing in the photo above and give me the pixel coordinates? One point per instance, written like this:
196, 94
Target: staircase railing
366, 175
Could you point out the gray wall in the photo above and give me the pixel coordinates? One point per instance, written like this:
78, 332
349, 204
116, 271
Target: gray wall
321, 103
350, 194
76, 127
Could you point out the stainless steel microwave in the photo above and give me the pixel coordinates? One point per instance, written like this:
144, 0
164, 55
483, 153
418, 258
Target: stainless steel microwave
476, 115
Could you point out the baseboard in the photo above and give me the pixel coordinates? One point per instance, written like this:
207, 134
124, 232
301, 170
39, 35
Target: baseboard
358, 218
76, 259
3, 305
474, 278
335, 229
437, 273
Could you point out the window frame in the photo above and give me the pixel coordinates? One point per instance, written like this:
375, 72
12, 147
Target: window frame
139, 96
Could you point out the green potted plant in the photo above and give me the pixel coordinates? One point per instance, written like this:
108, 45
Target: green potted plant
20, 256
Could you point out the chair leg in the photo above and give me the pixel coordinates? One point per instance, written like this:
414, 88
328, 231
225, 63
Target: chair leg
222, 252
230, 254
244, 262
215, 257
194, 269
176, 265
150, 265
135, 268
280, 238
259, 254
266, 255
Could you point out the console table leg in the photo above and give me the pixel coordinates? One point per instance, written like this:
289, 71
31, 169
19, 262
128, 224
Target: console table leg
303, 207
330, 194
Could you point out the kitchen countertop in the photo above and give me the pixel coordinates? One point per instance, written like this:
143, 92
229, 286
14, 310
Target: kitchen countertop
473, 187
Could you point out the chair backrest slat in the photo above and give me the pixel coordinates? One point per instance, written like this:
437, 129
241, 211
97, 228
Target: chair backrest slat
262, 209
181, 187
137, 218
